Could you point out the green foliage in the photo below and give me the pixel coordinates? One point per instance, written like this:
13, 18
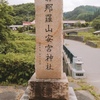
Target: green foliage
30, 29
96, 23
16, 68
23, 12
85, 25
87, 13
18, 47
5, 20
97, 13
85, 16
3, 1
21, 29
17, 59
78, 24
22, 36
89, 36
18, 43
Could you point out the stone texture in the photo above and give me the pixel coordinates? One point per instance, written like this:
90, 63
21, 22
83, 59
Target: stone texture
49, 39
71, 95
49, 89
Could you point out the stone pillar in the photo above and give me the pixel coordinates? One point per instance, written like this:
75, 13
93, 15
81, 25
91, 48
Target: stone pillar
49, 82
49, 39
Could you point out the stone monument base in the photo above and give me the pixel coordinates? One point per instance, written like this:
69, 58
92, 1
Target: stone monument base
48, 89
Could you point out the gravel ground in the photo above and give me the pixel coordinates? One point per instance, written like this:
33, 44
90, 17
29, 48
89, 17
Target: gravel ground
11, 92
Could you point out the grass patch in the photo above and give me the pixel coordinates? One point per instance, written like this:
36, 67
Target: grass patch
89, 36
88, 87
85, 86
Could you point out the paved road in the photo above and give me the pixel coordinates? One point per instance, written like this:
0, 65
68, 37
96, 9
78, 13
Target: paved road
91, 59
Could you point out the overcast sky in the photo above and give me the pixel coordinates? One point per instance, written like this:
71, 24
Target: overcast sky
69, 5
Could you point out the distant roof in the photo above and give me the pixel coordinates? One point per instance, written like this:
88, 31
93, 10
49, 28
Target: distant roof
26, 23
33, 22
74, 21
29, 23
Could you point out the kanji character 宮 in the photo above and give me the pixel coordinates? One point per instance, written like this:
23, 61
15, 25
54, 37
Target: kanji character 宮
49, 48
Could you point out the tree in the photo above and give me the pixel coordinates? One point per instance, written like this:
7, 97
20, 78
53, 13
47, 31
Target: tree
78, 24
5, 20
23, 12
96, 23
87, 13
3, 1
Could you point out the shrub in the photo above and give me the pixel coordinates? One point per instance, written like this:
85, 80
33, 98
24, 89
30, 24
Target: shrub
18, 47
16, 68
21, 29
89, 36
18, 43
24, 37
96, 23
17, 59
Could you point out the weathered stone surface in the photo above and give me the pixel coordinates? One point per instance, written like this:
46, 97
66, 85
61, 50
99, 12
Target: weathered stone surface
49, 89
71, 96
49, 39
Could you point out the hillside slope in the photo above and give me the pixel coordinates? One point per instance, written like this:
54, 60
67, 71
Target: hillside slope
87, 13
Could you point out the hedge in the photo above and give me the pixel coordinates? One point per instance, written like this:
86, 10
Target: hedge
17, 47
16, 68
17, 58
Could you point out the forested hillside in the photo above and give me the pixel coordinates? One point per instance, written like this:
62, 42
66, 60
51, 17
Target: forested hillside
26, 12
87, 13
23, 12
